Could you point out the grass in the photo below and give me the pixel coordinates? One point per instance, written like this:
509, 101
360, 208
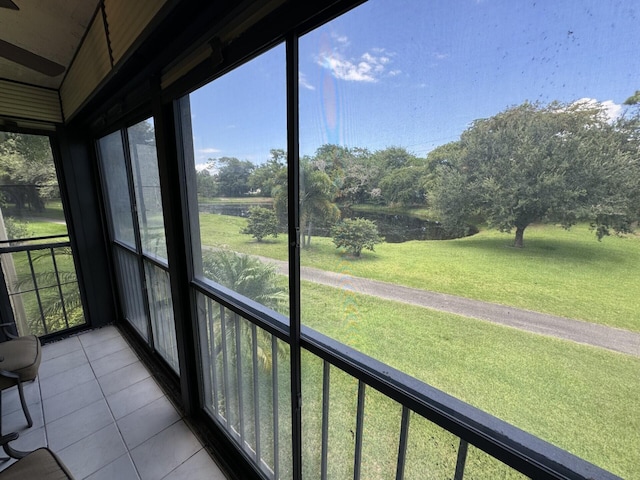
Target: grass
580, 398
239, 200
52, 210
566, 273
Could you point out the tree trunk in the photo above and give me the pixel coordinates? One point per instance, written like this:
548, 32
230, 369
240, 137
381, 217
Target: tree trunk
519, 242
309, 226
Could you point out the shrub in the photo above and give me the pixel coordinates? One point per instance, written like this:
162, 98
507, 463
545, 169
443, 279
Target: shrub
262, 222
355, 234
16, 228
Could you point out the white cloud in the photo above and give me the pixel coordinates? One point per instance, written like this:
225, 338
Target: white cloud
209, 150
302, 80
393, 73
369, 67
440, 56
342, 39
611, 109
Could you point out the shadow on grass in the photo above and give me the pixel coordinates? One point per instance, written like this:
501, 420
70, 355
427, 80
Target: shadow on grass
565, 249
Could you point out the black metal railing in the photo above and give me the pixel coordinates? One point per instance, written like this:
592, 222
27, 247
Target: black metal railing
344, 423
41, 284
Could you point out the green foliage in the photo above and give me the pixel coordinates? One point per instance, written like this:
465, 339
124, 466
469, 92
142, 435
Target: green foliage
233, 176
317, 200
355, 234
253, 279
207, 186
633, 99
27, 171
265, 178
16, 228
557, 163
245, 275
403, 186
261, 223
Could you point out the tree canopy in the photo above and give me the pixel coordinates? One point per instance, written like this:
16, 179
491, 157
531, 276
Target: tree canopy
233, 176
27, 171
556, 163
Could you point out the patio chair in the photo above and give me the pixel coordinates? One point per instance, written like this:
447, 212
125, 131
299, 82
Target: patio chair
19, 361
41, 464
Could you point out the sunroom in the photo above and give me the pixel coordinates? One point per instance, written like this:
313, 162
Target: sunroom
181, 182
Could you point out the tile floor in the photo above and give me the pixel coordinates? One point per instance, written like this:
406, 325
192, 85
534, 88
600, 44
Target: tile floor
99, 409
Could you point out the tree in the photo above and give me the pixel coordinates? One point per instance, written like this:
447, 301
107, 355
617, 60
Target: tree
262, 222
271, 174
354, 234
633, 99
233, 176
317, 194
207, 186
27, 172
556, 163
403, 186
255, 280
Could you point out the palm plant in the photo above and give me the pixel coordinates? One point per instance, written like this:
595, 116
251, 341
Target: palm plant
60, 304
255, 280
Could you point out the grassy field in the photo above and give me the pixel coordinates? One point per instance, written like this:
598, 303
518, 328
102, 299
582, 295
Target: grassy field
580, 398
241, 200
562, 272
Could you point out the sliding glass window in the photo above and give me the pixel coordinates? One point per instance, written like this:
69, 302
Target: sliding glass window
459, 163
132, 187
235, 132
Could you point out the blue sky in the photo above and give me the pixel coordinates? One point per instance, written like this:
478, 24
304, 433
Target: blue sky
415, 73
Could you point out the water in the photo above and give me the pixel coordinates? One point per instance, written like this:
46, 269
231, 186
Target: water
395, 228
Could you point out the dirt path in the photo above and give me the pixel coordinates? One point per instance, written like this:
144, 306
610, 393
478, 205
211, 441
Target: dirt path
615, 339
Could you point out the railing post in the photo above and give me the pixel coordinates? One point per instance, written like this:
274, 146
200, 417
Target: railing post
357, 465
462, 459
402, 447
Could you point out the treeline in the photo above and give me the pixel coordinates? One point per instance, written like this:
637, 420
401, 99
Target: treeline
393, 176
559, 163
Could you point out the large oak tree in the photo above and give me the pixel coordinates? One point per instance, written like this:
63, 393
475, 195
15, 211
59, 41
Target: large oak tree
543, 163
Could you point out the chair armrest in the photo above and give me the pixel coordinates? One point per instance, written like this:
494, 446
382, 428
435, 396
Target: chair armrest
8, 374
8, 449
5, 329
9, 437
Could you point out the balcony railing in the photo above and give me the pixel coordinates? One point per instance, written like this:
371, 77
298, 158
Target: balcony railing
352, 404
41, 285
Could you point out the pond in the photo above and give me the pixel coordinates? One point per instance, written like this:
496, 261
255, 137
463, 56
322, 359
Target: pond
395, 228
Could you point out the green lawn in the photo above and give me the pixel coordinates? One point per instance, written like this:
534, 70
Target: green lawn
580, 398
227, 200
567, 273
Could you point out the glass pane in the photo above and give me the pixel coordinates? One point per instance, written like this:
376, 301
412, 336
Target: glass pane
146, 181
41, 275
480, 150
161, 308
130, 285
246, 385
114, 171
238, 135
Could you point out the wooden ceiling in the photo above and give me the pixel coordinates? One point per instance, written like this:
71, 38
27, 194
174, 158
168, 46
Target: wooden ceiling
52, 29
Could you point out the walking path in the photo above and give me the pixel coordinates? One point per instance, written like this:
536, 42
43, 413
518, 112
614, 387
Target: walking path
615, 339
